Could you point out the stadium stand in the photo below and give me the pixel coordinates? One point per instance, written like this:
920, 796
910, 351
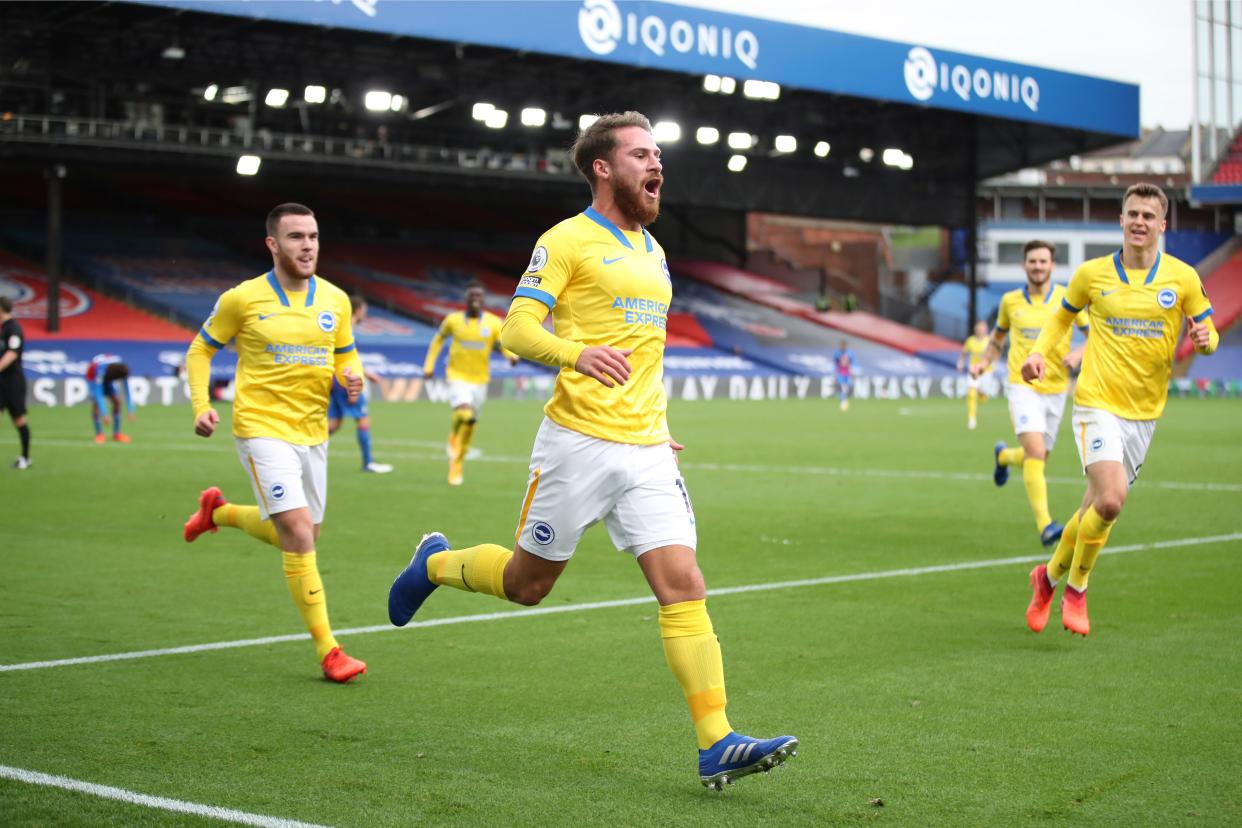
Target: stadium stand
1229, 169
1223, 283
781, 297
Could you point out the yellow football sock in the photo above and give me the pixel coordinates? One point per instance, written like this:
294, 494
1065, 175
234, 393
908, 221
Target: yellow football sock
1092, 535
477, 569
1063, 555
972, 403
693, 654
306, 587
465, 435
246, 518
1011, 456
1036, 490
458, 420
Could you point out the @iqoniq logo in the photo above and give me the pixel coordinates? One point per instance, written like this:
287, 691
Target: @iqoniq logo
599, 25
920, 73
925, 75
602, 27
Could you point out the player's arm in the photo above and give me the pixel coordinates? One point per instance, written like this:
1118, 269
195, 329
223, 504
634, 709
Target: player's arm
7, 359
219, 328
509, 355
990, 353
433, 350
1074, 358
524, 336
1073, 303
129, 398
347, 364
1198, 310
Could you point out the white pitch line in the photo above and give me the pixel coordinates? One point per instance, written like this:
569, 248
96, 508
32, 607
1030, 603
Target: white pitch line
759, 468
158, 802
594, 605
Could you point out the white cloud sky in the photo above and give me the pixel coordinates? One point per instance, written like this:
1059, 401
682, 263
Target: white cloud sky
1145, 42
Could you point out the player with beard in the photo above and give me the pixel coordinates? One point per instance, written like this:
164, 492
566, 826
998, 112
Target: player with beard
1035, 408
294, 336
604, 451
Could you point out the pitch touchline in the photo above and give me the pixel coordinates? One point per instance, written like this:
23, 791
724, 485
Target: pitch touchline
827, 471
594, 605
158, 802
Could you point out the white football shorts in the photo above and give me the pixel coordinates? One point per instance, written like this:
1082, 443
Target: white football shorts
577, 481
1031, 411
285, 476
467, 393
1102, 435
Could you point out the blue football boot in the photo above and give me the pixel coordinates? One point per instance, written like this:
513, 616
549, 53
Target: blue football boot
1051, 534
736, 756
412, 586
1000, 475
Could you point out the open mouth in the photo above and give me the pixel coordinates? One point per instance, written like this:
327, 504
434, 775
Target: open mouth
652, 187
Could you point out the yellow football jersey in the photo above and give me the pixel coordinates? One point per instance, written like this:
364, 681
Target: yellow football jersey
605, 286
974, 346
289, 346
1022, 318
1136, 319
471, 349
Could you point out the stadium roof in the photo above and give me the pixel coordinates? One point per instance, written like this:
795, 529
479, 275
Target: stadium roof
956, 117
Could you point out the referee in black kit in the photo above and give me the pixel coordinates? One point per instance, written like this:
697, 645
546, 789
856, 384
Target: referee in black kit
12, 379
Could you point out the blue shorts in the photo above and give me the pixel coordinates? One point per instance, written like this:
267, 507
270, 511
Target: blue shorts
339, 405
845, 379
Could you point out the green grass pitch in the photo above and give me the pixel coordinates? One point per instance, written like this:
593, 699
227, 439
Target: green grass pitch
920, 699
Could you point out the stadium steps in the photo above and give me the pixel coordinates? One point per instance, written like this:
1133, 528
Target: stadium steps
861, 324
105, 318
1222, 279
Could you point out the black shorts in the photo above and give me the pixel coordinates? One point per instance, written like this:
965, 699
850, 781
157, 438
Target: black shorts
13, 394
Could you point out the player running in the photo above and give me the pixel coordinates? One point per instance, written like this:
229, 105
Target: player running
1034, 408
293, 336
972, 355
1137, 299
475, 334
603, 452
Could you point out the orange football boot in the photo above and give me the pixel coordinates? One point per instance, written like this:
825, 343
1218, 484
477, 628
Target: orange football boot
1041, 599
121, 438
341, 668
201, 521
1074, 611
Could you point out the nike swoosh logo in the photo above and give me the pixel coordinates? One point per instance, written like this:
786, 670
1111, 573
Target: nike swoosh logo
609, 261
315, 591
263, 316
1107, 292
